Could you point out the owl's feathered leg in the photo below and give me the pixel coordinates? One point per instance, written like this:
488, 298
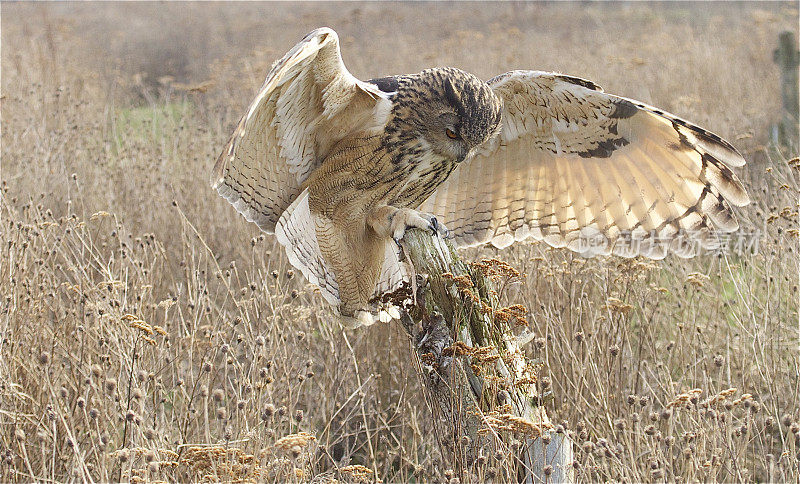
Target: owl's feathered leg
388, 221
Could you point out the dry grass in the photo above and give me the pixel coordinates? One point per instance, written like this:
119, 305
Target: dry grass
149, 333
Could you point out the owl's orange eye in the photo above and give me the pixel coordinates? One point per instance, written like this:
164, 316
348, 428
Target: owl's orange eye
450, 133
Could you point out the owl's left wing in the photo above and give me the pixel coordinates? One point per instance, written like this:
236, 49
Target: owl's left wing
593, 172
308, 103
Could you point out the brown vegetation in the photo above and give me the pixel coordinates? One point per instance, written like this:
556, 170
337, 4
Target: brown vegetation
149, 333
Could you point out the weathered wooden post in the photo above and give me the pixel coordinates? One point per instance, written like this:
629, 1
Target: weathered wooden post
481, 388
785, 133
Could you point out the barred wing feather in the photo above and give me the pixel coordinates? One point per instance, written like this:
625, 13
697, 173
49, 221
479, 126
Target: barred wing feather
308, 103
600, 174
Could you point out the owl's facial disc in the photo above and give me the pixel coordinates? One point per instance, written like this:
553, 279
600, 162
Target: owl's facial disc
444, 136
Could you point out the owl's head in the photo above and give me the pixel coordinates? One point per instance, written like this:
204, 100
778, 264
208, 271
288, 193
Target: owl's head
451, 110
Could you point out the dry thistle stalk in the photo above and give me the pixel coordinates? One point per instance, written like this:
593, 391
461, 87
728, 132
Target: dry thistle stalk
616, 305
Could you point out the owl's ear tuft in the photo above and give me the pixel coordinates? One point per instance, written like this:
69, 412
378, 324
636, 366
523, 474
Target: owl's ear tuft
452, 95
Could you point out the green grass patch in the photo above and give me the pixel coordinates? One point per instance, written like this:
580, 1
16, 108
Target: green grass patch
151, 123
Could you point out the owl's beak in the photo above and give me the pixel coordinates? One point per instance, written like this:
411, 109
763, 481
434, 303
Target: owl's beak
466, 156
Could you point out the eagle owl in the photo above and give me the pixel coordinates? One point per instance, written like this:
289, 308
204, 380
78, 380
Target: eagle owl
339, 168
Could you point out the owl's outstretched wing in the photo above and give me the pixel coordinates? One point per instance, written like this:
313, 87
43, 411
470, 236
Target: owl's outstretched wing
597, 173
308, 103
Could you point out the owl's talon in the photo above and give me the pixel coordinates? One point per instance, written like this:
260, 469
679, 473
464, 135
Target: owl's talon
433, 226
437, 228
392, 222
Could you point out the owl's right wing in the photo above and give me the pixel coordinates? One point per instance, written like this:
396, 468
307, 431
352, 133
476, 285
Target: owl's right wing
597, 173
307, 104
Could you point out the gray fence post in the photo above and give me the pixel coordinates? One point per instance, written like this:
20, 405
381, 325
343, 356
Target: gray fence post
787, 56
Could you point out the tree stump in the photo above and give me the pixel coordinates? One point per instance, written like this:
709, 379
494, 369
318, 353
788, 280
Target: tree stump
481, 388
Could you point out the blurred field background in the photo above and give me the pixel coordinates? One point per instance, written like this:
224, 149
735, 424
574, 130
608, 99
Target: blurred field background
149, 333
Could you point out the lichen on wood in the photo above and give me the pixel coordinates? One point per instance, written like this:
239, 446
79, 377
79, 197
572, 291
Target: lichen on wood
480, 386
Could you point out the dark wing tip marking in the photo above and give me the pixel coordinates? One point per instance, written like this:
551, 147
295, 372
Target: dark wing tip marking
386, 84
623, 109
580, 82
604, 148
702, 134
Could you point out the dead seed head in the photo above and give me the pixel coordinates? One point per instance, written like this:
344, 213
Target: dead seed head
111, 385
357, 473
721, 397
123, 455
300, 439
685, 398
